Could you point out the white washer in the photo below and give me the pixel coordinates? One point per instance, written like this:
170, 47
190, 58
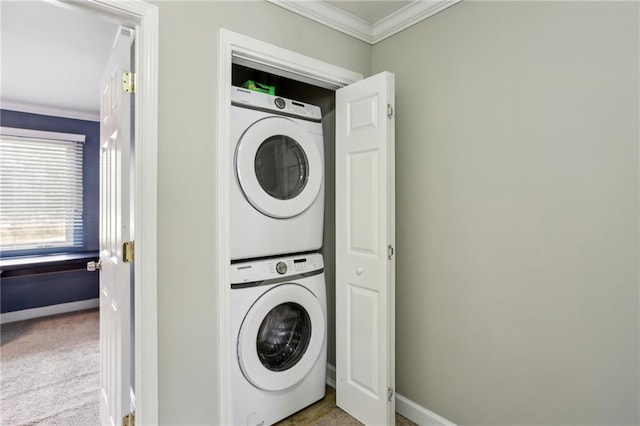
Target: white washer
278, 320
277, 182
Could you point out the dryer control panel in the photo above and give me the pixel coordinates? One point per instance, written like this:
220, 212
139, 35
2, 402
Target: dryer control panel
262, 101
268, 269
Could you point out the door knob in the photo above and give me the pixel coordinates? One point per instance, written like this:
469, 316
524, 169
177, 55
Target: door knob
94, 266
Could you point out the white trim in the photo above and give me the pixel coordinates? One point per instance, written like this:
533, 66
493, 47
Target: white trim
146, 213
146, 216
406, 17
225, 401
40, 134
145, 18
61, 308
331, 375
49, 110
331, 16
418, 414
336, 18
293, 64
284, 62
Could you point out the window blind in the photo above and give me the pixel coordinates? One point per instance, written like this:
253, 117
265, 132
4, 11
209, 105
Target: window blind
41, 190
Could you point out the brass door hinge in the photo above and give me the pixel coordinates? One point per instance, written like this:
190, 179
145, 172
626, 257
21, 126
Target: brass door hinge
129, 420
129, 82
128, 251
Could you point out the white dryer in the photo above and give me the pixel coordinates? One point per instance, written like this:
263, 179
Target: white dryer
277, 182
278, 320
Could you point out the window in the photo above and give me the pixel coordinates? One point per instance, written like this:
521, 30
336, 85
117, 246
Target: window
41, 204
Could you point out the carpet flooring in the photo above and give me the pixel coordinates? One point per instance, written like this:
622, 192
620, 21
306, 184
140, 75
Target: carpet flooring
49, 371
49, 375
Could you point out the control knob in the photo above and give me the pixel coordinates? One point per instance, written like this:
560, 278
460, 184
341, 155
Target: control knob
280, 103
281, 268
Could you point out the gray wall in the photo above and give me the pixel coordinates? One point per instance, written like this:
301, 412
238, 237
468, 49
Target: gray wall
187, 301
517, 181
517, 212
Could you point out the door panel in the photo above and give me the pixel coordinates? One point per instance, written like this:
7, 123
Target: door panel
115, 275
363, 201
363, 339
365, 232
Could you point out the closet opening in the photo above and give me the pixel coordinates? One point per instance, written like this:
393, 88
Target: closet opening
307, 93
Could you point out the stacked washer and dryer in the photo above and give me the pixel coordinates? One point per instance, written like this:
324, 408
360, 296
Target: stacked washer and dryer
278, 296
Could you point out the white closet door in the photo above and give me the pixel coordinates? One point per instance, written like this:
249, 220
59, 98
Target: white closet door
115, 228
365, 239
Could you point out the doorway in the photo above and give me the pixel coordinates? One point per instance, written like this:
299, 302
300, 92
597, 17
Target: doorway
249, 56
325, 99
143, 17
365, 118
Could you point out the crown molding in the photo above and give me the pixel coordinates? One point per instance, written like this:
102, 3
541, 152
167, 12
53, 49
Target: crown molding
409, 15
333, 17
329, 15
51, 111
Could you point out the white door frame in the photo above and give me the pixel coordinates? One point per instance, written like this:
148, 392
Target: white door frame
144, 18
277, 61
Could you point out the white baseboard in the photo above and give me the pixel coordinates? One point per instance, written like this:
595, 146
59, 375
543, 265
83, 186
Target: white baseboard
405, 407
61, 308
418, 414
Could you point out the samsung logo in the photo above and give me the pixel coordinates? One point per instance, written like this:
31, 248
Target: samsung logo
244, 267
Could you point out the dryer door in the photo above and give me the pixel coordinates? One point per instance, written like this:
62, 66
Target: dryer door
281, 337
279, 167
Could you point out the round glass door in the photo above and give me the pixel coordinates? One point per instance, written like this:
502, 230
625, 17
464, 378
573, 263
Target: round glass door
281, 337
279, 167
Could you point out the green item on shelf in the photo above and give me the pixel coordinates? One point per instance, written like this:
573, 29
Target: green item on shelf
259, 87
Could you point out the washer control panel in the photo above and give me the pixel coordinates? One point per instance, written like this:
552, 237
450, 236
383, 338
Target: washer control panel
263, 101
267, 269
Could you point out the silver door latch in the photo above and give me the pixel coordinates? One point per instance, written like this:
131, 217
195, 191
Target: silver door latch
94, 266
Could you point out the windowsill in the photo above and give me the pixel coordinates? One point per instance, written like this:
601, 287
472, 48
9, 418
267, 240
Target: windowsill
21, 264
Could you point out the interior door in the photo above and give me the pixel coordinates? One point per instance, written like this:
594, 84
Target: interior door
115, 229
365, 240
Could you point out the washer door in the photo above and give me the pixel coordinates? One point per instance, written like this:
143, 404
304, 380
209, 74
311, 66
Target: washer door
279, 167
281, 337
